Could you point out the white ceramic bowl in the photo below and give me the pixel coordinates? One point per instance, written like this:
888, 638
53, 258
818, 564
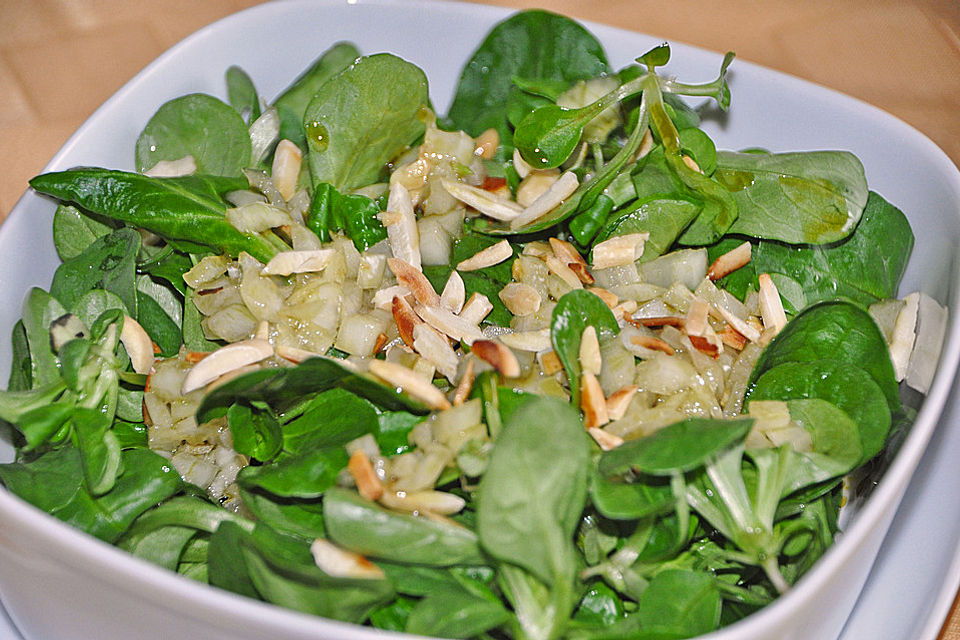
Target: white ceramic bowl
60, 584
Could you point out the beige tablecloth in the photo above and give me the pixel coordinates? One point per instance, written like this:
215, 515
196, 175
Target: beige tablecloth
59, 59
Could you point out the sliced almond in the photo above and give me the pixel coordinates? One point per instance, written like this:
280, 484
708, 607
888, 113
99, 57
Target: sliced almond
285, 172
436, 502
405, 379
590, 360
223, 360
289, 262
522, 166
609, 298
560, 269
592, 402
138, 345
659, 321
230, 375
435, 347
748, 331
605, 439
486, 202
194, 357
535, 185
476, 308
550, 362
733, 338
566, 252
619, 401
771, 307
645, 145
295, 354
487, 143
361, 470
497, 355
406, 319
695, 322
619, 250
444, 321
401, 223
340, 563
184, 166
559, 191
711, 347
520, 299
730, 261
494, 254
413, 279
650, 342
382, 340
537, 249
581, 272
527, 340
465, 386
691, 163
454, 293
383, 299
623, 311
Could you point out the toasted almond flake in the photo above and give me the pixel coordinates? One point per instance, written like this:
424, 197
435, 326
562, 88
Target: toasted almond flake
454, 293
401, 223
494, 254
604, 439
295, 355
730, 261
560, 269
619, 401
592, 402
285, 172
497, 355
446, 322
619, 250
538, 340
566, 251
559, 191
550, 362
138, 345
414, 281
382, 340
695, 322
535, 185
487, 143
476, 308
406, 319
194, 357
658, 321
771, 307
383, 299
522, 166
609, 298
713, 347
289, 262
520, 299
748, 331
497, 186
645, 145
361, 470
537, 249
405, 379
650, 342
733, 338
624, 310
465, 386
425, 502
434, 346
589, 354
486, 202
340, 563
223, 360
184, 166
691, 163
581, 272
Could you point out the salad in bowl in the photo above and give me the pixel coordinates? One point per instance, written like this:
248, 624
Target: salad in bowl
548, 365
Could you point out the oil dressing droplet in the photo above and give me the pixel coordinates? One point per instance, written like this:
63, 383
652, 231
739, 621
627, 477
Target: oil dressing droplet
317, 136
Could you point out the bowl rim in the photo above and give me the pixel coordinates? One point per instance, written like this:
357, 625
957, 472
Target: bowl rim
82, 551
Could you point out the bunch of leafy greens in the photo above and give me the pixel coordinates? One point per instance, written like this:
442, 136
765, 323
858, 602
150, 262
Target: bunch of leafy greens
668, 536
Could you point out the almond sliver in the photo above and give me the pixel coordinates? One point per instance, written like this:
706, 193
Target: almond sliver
494, 254
405, 379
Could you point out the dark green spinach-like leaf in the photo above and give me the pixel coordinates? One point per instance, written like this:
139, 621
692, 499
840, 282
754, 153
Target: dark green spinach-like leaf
108, 263
533, 45
74, 231
242, 93
354, 214
361, 118
186, 211
679, 604
362, 526
811, 197
455, 613
663, 218
196, 125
